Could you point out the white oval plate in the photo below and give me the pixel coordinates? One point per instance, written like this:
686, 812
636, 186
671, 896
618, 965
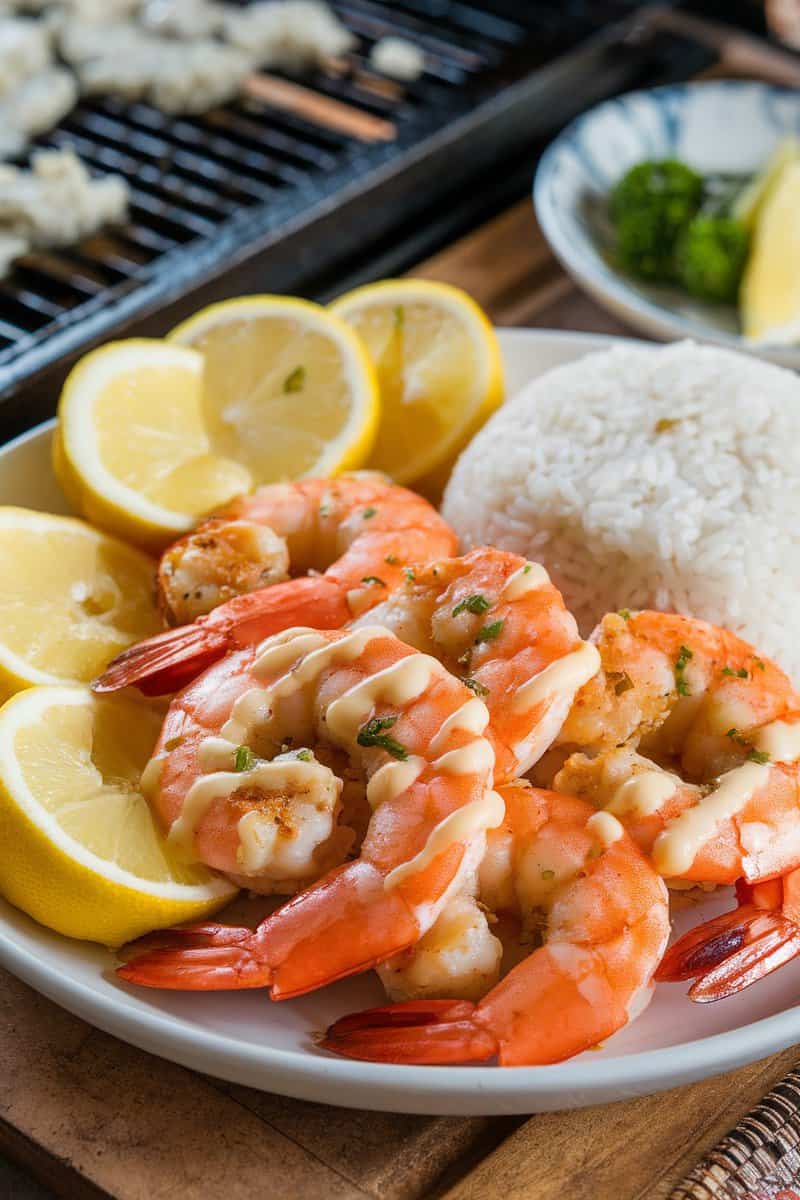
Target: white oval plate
244, 1037
719, 126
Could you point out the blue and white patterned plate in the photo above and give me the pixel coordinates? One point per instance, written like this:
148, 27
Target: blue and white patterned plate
721, 126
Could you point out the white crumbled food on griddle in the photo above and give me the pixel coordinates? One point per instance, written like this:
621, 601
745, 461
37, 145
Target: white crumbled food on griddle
183, 18
57, 201
398, 59
290, 34
24, 51
35, 107
175, 76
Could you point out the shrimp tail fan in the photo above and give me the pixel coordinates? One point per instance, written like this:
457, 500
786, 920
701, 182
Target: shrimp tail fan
201, 958
417, 1031
731, 952
166, 662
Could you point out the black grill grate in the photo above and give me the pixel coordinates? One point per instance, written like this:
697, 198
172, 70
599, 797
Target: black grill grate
213, 191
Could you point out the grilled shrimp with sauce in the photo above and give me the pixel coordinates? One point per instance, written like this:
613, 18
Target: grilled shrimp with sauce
345, 541
497, 621
692, 740
594, 903
233, 798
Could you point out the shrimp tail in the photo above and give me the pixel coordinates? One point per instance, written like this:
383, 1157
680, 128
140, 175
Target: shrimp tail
417, 1031
731, 952
198, 958
168, 661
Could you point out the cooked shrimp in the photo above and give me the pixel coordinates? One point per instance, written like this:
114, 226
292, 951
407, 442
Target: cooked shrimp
348, 542
731, 952
497, 621
412, 730
600, 913
703, 769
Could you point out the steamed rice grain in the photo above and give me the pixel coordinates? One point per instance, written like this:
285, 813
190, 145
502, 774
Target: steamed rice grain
647, 477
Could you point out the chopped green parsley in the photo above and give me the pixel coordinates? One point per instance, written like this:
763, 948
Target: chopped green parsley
244, 759
476, 604
369, 512
681, 662
623, 682
479, 689
373, 579
489, 632
372, 734
741, 673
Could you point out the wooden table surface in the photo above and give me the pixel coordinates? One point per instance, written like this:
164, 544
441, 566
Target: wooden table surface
91, 1116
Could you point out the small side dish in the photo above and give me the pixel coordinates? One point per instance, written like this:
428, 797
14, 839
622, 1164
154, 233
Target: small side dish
725, 239
677, 208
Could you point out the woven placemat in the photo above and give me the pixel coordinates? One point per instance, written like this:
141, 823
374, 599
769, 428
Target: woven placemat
759, 1159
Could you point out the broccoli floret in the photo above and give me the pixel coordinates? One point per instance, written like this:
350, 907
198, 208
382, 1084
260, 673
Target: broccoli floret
711, 256
650, 206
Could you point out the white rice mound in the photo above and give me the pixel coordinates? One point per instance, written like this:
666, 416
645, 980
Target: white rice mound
650, 477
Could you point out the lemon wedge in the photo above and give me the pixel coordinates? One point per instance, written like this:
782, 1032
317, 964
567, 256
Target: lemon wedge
71, 598
750, 200
79, 850
132, 452
439, 369
770, 292
288, 389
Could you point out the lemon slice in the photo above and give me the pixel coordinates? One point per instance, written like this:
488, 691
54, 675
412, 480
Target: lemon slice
770, 292
132, 453
439, 369
750, 200
71, 598
288, 389
79, 850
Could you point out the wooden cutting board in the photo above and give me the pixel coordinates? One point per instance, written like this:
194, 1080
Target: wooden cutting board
93, 1117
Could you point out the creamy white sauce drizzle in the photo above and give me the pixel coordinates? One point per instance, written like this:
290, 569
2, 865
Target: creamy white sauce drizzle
280, 775
528, 578
643, 794
279, 652
251, 709
472, 716
566, 674
298, 657
398, 684
459, 826
475, 757
605, 827
150, 779
675, 848
392, 779
780, 740
216, 754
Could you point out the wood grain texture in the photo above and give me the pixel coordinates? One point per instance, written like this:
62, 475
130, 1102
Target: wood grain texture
636, 1150
81, 1108
510, 270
